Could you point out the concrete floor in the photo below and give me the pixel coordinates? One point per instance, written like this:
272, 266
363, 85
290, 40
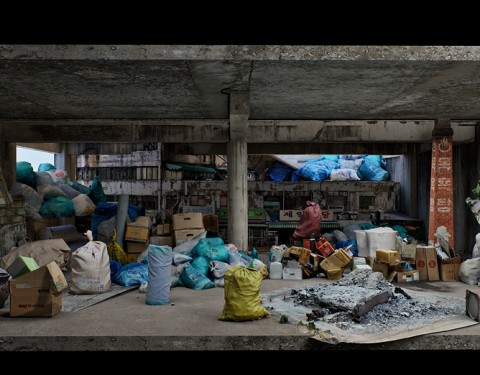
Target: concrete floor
125, 322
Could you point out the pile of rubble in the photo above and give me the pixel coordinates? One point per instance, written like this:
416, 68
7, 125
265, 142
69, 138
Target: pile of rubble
364, 299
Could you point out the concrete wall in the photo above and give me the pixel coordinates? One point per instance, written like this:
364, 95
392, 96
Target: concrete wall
12, 225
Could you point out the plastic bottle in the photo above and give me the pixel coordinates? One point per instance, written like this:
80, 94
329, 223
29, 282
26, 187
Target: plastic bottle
276, 271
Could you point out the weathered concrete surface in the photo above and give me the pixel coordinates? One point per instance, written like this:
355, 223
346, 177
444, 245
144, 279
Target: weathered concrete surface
127, 323
238, 52
285, 82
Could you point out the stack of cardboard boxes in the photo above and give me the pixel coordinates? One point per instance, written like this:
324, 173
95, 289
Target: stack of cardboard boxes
137, 237
162, 235
186, 226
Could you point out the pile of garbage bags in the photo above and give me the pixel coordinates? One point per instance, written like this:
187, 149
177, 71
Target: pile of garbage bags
197, 264
334, 168
47, 193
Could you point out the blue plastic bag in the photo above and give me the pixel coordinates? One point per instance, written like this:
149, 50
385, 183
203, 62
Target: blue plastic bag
25, 175
201, 265
373, 171
114, 268
212, 249
279, 172
131, 274
193, 279
318, 170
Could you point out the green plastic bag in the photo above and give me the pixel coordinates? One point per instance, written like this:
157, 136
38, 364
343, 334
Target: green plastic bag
242, 295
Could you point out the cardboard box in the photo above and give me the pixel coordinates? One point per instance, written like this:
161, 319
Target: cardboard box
370, 261
328, 265
162, 240
388, 256
449, 269
137, 234
408, 276
432, 264
21, 266
38, 293
162, 229
141, 222
290, 215
343, 255
338, 259
304, 259
132, 257
294, 252
191, 220
325, 247
407, 251
315, 261
421, 263
334, 274
381, 267
136, 247
184, 235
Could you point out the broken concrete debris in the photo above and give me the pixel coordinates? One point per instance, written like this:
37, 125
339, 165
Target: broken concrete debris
365, 297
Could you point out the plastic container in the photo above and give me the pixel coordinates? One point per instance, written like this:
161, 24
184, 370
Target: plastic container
276, 271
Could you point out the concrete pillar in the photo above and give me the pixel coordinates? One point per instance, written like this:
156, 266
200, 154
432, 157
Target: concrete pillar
121, 218
237, 170
411, 198
59, 158
441, 182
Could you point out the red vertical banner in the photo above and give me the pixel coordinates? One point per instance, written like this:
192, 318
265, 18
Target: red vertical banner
441, 184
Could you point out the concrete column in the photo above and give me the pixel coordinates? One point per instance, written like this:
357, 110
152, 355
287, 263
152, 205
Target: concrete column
411, 197
121, 218
441, 182
59, 158
237, 170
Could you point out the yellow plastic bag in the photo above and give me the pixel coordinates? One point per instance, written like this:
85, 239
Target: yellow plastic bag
242, 295
115, 251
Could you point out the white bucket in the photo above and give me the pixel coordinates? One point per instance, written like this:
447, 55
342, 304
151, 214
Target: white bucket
276, 271
362, 243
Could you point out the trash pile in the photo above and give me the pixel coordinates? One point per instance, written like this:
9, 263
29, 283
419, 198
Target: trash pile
201, 263
47, 193
334, 168
364, 302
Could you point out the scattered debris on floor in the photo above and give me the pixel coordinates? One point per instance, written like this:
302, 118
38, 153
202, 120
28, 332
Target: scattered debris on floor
365, 302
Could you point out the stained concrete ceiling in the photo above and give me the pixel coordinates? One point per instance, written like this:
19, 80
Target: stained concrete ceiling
285, 82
